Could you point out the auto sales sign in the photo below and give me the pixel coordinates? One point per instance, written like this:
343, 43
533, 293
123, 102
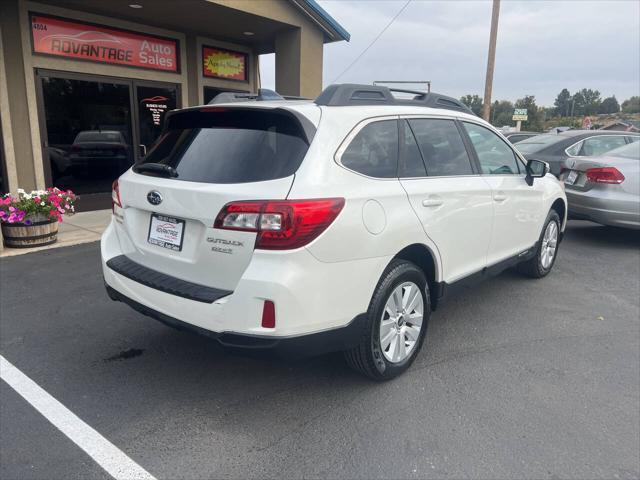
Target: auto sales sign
64, 38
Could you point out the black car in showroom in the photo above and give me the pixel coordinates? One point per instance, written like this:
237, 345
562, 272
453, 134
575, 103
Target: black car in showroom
555, 148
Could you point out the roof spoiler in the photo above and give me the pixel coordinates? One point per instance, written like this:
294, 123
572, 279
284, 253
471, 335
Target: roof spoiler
263, 94
353, 94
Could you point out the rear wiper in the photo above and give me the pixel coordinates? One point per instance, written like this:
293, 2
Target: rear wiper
158, 168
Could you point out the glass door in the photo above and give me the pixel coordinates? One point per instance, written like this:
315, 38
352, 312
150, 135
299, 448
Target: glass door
92, 129
88, 139
153, 101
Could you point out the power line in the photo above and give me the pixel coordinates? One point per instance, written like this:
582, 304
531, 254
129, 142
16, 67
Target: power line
374, 41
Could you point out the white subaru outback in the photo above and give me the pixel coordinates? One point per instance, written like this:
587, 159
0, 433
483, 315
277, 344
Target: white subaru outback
338, 224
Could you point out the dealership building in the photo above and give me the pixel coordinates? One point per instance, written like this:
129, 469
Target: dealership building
84, 84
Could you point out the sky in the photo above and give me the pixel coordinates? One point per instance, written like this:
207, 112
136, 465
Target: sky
542, 46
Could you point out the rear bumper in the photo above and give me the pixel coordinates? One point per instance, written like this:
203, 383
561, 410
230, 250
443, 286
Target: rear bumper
337, 339
621, 210
310, 296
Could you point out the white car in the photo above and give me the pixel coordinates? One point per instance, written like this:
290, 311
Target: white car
338, 224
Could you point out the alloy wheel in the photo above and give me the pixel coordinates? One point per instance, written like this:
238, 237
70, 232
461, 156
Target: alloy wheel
401, 322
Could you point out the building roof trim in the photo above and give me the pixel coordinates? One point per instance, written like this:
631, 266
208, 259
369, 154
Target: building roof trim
312, 8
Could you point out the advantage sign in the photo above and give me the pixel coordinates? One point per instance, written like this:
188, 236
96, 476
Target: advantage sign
520, 114
64, 38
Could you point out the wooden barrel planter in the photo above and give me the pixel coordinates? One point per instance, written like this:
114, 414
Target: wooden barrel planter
38, 234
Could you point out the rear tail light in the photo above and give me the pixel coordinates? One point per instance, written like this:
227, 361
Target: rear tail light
604, 175
280, 224
268, 314
115, 196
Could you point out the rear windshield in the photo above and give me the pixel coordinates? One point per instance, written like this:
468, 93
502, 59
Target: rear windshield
539, 142
628, 151
230, 146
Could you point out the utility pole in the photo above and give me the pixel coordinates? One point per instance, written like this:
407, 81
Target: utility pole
491, 61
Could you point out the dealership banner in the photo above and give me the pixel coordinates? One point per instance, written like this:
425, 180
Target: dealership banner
220, 63
65, 38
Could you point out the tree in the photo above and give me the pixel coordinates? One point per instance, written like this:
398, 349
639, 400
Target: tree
474, 102
535, 121
563, 103
631, 105
501, 113
609, 105
586, 102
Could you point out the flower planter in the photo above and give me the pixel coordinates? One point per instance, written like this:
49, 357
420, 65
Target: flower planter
37, 234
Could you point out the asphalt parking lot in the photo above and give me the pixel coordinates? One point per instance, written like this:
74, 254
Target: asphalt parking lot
518, 379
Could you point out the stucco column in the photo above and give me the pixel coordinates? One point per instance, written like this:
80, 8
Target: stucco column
16, 129
299, 62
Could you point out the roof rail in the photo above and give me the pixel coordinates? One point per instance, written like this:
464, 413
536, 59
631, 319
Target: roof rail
263, 94
354, 94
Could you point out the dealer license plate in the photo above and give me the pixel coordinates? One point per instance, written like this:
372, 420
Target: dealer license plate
571, 178
166, 232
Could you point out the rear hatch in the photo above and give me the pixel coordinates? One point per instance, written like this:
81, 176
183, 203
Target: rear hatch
205, 159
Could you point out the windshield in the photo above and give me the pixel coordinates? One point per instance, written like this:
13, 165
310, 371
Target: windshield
628, 151
539, 142
230, 146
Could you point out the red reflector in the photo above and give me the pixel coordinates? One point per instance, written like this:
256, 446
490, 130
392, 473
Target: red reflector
605, 175
115, 196
268, 314
280, 224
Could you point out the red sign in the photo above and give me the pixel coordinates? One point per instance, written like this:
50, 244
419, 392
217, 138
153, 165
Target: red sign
227, 64
54, 36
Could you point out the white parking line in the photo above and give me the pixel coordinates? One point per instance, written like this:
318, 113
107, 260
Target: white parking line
103, 452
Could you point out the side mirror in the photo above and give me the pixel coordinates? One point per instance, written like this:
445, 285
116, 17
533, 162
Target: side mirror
142, 150
536, 169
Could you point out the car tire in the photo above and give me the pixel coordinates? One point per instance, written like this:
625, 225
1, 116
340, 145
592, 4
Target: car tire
542, 262
373, 356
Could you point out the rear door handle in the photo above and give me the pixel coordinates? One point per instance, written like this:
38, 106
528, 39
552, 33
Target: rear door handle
432, 202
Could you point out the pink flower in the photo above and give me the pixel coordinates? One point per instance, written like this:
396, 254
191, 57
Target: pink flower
12, 209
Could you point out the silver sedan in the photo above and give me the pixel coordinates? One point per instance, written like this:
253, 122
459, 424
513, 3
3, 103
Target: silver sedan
605, 189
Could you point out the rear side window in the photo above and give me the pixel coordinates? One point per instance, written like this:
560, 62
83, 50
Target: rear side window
374, 150
442, 147
230, 146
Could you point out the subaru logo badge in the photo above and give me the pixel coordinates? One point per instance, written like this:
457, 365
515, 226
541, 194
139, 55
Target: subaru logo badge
154, 198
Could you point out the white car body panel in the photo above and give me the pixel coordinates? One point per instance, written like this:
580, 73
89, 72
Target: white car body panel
328, 282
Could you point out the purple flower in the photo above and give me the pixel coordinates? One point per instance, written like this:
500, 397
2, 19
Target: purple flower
27, 222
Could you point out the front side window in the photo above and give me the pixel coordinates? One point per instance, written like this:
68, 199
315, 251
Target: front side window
600, 145
494, 155
374, 150
442, 147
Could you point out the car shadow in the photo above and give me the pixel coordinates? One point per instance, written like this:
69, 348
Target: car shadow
588, 233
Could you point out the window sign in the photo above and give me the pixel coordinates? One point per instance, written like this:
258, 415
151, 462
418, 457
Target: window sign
219, 63
64, 38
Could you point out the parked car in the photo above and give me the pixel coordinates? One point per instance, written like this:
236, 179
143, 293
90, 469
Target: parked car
555, 149
606, 189
515, 137
97, 151
258, 225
